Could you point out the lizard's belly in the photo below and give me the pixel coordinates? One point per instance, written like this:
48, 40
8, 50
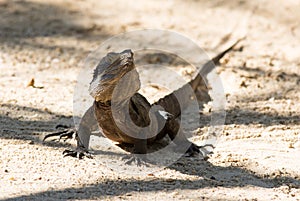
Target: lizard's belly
110, 129
127, 126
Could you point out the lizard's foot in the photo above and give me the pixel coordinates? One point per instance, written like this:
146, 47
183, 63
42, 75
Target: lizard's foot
77, 153
195, 150
139, 160
65, 134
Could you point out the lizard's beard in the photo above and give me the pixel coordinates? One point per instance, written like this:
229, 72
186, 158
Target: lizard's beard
118, 90
126, 87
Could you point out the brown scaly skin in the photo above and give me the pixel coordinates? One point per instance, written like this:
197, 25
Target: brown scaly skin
116, 68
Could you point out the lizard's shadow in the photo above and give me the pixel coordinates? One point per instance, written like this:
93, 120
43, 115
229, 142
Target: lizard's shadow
126, 148
150, 148
162, 153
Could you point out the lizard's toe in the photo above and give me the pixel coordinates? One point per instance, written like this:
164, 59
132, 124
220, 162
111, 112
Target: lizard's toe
138, 160
65, 134
194, 150
78, 153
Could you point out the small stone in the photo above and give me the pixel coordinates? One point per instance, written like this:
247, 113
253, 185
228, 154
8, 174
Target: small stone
169, 180
55, 60
243, 84
272, 99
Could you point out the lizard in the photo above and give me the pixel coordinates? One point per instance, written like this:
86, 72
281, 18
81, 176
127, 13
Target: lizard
150, 122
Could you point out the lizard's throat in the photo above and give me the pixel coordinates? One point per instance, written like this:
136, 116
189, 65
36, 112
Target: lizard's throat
117, 92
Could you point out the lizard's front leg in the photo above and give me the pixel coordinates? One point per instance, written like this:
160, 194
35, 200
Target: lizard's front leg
87, 124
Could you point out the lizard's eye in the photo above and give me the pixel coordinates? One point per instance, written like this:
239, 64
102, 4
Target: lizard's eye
123, 56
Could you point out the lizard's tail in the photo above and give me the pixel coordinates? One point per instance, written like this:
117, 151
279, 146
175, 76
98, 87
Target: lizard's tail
210, 65
171, 103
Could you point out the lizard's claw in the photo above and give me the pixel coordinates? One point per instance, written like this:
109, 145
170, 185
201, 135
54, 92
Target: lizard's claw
139, 160
65, 134
195, 149
78, 153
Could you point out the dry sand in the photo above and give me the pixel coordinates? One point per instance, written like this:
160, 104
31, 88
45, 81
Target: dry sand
258, 154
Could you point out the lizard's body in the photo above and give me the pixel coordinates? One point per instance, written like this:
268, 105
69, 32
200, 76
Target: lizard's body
107, 74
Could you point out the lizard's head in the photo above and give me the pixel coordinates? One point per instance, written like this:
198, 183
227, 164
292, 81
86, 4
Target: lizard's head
108, 74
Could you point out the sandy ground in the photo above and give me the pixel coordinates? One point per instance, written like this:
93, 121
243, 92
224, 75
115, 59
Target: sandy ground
258, 154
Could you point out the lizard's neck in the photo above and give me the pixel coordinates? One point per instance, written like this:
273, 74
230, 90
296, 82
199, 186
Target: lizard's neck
117, 92
115, 102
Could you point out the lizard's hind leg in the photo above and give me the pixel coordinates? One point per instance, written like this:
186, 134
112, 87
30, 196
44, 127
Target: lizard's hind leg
183, 144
